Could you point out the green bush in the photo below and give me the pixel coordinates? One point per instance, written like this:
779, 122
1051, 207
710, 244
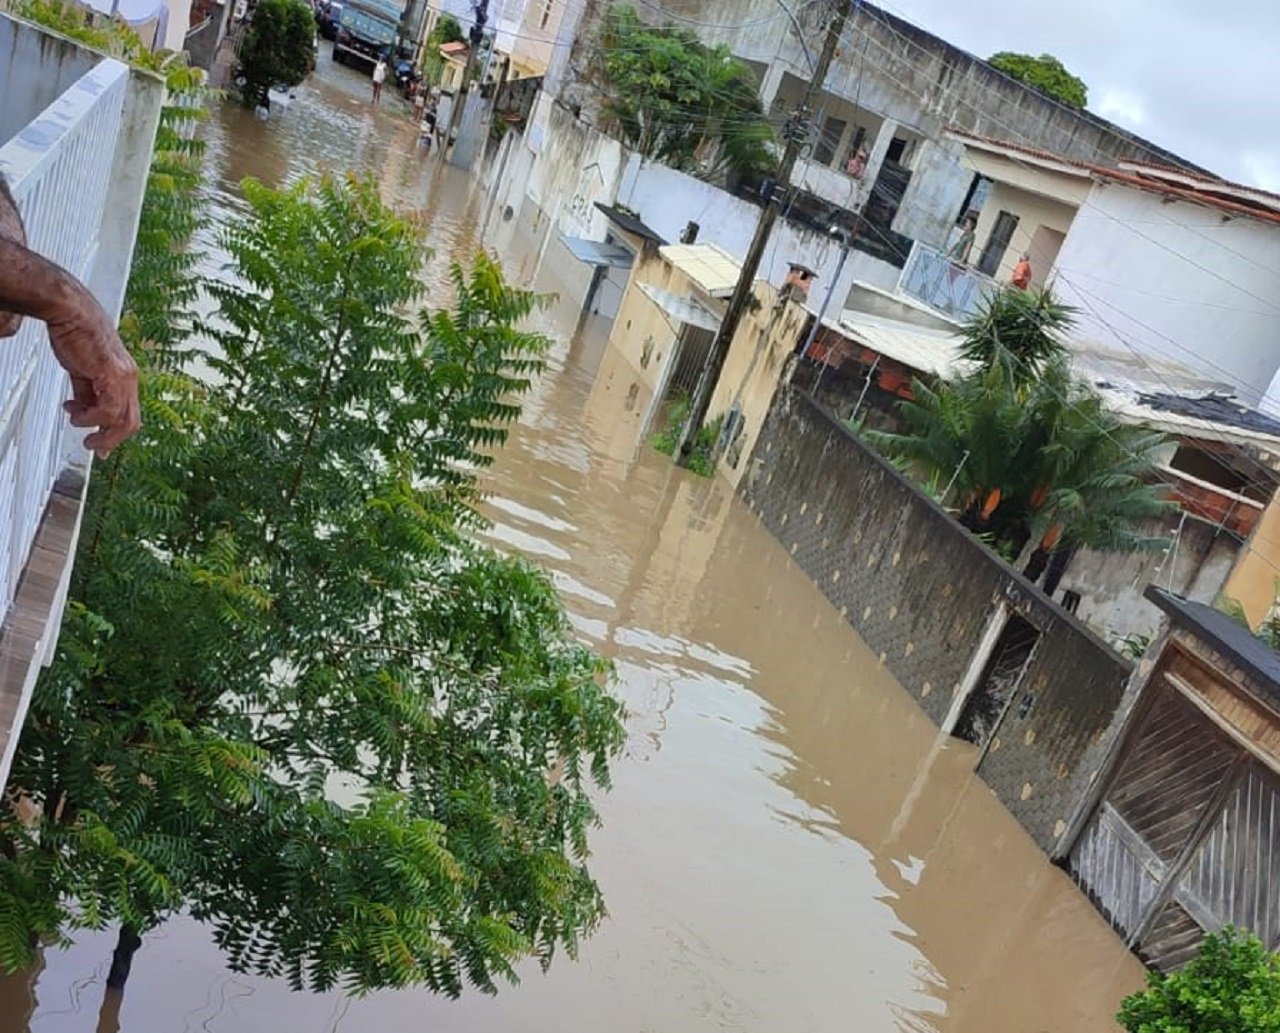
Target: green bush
278, 48
1232, 986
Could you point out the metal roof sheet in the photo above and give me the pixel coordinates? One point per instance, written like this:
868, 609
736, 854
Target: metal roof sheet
1136, 392
598, 252
935, 352
681, 308
711, 268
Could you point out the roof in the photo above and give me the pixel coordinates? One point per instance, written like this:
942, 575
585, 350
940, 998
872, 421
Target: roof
598, 252
456, 49
681, 308
630, 222
928, 351
1216, 408
1136, 392
1184, 185
711, 268
1226, 636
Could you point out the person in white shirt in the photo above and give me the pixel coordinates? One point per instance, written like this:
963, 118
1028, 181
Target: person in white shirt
379, 77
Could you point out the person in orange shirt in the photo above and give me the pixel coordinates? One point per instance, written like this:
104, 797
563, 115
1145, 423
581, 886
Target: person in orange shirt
1022, 273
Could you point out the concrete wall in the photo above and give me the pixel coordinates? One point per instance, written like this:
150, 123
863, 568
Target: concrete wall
667, 200
553, 174
643, 334
765, 339
35, 68
921, 591
902, 73
1176, 281
1111, 584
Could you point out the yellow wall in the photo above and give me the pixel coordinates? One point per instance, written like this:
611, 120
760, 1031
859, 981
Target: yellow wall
764, 340
642, 333
1252, 581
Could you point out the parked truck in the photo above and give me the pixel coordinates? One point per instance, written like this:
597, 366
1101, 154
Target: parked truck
367, 29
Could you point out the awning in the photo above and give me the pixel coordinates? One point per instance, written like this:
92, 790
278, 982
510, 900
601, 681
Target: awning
682, 309
597, 252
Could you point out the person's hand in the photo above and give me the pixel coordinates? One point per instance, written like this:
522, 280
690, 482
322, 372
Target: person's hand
104, 377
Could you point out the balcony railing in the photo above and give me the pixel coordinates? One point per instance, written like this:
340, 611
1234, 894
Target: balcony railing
953, 289
63, 207
75, 143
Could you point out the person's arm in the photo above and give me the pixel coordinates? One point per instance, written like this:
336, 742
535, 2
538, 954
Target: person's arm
104, 377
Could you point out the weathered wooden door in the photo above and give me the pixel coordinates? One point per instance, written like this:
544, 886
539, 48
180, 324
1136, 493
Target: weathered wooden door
1186, 837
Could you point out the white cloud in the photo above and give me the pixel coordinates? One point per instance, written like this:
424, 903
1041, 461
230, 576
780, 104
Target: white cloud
1122, 106
1263, 169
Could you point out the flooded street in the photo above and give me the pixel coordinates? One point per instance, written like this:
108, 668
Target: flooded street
789, 846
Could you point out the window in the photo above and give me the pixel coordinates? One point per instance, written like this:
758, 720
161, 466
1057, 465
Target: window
997, 243
829, 140
546, 13
901, 152
975, 198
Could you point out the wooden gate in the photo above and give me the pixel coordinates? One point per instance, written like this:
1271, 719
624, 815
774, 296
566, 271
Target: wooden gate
1186, 837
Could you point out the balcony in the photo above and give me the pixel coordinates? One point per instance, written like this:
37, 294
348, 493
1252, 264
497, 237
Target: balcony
832, 185
75, 141
954, 290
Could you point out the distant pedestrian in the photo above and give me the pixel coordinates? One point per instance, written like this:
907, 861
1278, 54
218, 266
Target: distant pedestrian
1022, 272
379, 77
962, 248
419, 102
427, 128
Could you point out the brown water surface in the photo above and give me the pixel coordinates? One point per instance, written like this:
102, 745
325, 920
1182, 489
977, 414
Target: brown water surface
789, 846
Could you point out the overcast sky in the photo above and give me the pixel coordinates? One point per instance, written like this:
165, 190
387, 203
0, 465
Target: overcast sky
1199, 78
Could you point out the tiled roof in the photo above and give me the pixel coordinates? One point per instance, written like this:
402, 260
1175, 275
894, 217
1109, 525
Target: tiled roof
1203, 190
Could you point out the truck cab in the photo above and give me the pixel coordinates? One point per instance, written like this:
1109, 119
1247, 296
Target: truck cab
367, 29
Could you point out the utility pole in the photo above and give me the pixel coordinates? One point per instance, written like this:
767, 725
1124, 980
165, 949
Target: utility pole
476, 37
796, 133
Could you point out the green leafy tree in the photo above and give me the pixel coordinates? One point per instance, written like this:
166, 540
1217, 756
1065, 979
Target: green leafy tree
1044, 73
678, 101
1231, 986
446, 30
1032, 454
278, 48
293, 696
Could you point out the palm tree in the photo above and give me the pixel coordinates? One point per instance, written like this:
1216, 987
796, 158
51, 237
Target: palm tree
1019, 330
1101, 484
1039, 461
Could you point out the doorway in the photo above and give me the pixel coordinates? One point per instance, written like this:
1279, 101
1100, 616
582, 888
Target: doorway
999, 682
997, 243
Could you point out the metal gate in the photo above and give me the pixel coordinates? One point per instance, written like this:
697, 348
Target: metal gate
1185, 837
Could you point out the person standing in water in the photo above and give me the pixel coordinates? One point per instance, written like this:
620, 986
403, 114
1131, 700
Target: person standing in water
379, 77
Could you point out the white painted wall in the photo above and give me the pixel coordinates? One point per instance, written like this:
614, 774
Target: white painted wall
667, 200
1176, 281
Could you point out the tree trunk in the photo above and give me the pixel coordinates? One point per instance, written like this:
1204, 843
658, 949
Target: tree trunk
1058, 564
122, 959
109, 1013
1036, 564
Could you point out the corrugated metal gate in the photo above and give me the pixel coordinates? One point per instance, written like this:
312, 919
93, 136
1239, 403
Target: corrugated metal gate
1186, 838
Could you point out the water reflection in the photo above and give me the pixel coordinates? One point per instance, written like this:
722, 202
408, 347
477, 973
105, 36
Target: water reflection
789, 846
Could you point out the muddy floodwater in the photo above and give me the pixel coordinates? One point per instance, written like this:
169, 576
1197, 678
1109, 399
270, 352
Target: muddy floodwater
789, 846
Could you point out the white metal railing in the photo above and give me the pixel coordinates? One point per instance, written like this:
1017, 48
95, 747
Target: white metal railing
951, 288
59, 169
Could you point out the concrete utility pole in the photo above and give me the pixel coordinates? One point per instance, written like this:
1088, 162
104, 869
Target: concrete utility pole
796, 133
476, 37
